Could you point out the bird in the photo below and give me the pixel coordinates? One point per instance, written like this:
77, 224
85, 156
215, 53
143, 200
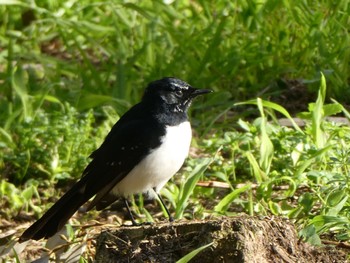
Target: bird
144, 149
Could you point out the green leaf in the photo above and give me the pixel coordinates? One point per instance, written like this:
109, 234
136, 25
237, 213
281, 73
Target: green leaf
335, 201
297, 152
6, 137
222, 206
192, 254
307, 163
310, 235
324, 223
335, 196
28, 193
259, 175
346, 113
306, 200
274, 106
292, 185
89, 101
318, 115
141, 11
49, 98
11, 2
19, 84
96, 27
331, 109
266, 147
275, 208
190, 185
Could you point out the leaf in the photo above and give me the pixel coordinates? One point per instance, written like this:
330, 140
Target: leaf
222, 206
292, 185
259, 175
274, 106
244, 125
49, 98
334, 211
88, 101
28, 193
331, 109
192, 254
139, 10
275, 208
306, 163
346, 113
19, 84
310, 235
266, 147
336, 201
96, 27
318, 115
7, 138
335, 196
306, 200
189, 186
323, 223
11, 2
296, 153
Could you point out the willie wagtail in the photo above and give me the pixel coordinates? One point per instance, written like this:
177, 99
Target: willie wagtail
144, 149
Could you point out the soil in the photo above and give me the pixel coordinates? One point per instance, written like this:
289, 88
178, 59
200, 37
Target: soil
236, 239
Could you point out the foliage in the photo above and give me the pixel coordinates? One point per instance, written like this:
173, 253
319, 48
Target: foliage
49, 146
92, 53
43, 150
307, 176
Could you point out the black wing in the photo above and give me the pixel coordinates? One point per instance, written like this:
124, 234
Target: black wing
122, 150
129, 141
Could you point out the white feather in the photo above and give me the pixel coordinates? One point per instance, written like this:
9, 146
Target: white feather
160, 165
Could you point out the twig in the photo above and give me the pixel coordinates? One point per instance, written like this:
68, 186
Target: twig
336, 243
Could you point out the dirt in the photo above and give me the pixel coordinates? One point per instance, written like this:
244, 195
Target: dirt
237, 239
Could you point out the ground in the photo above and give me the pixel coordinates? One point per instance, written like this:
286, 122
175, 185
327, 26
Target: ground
236, 239
232, 239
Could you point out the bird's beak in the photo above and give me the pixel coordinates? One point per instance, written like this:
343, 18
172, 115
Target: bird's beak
197, 92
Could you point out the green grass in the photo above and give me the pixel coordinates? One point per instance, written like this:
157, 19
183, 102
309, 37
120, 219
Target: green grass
69, 69
305, 177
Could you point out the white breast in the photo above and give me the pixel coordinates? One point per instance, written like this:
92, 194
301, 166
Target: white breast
160, 165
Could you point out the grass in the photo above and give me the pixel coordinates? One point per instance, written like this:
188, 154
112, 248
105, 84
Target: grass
69, 69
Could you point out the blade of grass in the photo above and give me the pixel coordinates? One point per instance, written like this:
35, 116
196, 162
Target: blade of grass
189, 185
223, 205
274, 106
266, 147
258, 174
192, 254
318, 114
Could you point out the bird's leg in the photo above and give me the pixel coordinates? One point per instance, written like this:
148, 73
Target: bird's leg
129, 211
171, 219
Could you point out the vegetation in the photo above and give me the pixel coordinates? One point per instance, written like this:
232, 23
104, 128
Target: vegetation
69, 69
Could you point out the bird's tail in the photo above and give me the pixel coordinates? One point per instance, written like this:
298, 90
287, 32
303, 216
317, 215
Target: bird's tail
57, 216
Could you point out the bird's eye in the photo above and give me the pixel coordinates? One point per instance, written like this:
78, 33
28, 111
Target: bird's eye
178, 93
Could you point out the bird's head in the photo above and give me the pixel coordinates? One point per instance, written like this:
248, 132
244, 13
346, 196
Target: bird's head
173, 92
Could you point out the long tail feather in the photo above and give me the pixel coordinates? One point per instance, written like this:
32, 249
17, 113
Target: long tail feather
57, 216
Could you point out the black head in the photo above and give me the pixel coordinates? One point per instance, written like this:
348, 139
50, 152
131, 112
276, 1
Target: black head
174, 92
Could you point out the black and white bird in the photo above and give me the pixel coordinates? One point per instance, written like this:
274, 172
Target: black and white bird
144, 149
